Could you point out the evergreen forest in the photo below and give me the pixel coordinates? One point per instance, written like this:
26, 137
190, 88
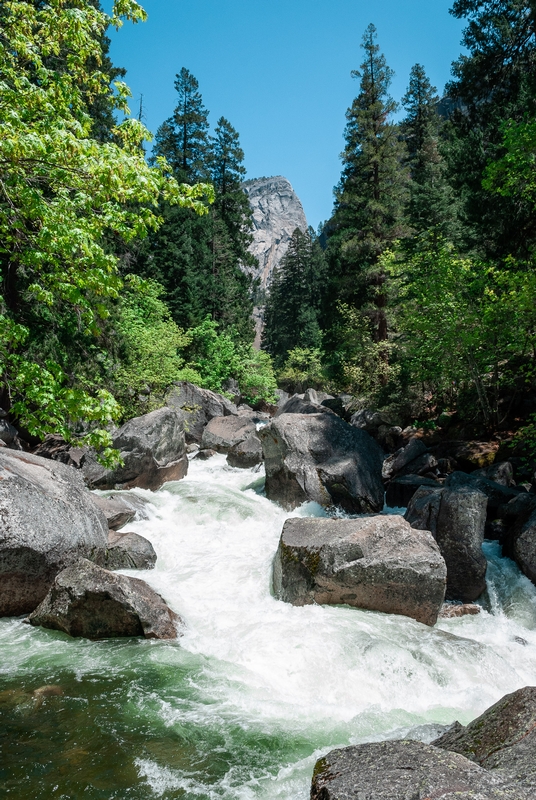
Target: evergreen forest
122, 273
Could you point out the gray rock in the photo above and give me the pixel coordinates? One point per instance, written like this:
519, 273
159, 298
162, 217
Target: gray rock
128, 550
320, 457
55, 447
345, 406
422, 465
377, 563
407, 770
316, 396
8, 434
153, 450
456, 516
400, 490
454, 610
87, 600
408, 454
198, 407
223, 433
135, 502
48, 519
204, 454
299, 404
497, 494
502, 738
117, 512
246, 454
523, 547
501, 472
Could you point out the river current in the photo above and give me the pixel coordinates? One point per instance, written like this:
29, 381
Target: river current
256, 690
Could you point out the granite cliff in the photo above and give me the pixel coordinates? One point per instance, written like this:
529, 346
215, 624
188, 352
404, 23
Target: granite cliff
277, 212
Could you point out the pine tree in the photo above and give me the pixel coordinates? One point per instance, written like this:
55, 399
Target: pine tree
496, 82
182, 138
372, 192
432, 204
293, 305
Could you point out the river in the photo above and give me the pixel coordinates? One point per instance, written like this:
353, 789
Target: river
255, 690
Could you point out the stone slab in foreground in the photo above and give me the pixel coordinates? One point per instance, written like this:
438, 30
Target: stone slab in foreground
87, 600
407, 770
377, 563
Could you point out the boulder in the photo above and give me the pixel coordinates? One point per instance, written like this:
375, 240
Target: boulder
316, 396
344, 405
522, 546
87, 600
117, 512
502, 738
496, 493
501, 472
204, 454
400, 490
320, 457
198, 407
377, 563
223, 433
299, 404
48, 519
246, 454
153, 451
474, 455
8, 434
55, 447
407, 770
139, 505
128, 551
456, 516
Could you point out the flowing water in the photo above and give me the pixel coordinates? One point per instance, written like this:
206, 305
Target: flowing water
256, 689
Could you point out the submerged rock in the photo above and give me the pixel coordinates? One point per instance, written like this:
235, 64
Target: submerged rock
48, 520
407, 770
153, 450
320, 457
456, 517
377, 563
87, 600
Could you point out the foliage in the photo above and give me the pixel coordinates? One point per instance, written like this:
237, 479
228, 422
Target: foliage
291, 318
150, 347
513, 175
218, 357
464, 323
303, 370
64, 197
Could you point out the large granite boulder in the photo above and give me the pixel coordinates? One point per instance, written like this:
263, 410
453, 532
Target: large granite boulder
522, 546
224, 433
500, 472
152, 448
302, 404
246, 454
407, 770
456, 516
377, 563
55, 447
198, 407
320, 457
87, 600
502, 738
48, 519
496, 493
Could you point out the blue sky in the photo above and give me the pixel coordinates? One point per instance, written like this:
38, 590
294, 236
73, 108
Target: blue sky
279, 71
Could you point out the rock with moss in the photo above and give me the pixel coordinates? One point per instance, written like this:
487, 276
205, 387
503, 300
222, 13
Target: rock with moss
87, 600
407, 770
198, 407
502, 738
322, 458
377, 563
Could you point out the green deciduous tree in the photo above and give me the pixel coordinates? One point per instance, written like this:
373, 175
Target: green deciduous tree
64, 198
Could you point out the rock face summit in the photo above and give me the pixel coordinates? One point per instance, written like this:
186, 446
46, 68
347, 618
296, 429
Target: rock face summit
277, 212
